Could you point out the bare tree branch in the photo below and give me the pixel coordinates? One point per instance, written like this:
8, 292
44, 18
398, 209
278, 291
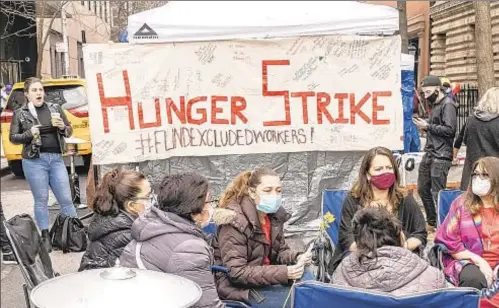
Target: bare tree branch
127, 8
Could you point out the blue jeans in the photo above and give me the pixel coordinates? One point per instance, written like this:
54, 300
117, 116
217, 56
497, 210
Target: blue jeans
275, 296
48, 170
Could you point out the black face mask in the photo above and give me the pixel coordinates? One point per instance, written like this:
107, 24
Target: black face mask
432, 98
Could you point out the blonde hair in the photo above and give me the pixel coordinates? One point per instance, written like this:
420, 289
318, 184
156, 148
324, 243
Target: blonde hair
489, 102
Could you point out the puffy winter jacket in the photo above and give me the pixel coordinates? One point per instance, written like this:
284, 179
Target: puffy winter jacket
241, 246
174, 245
396, 270
108, 237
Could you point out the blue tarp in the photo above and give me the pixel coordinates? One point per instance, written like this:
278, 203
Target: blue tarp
123, 36
411, 136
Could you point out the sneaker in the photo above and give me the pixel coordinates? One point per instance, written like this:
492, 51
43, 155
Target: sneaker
8, 258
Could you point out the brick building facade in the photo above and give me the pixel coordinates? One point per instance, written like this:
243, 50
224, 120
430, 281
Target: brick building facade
453, 40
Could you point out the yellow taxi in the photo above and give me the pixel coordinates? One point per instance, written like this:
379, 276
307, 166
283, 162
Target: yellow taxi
70, 93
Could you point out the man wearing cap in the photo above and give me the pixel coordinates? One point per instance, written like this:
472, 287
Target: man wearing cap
440, 132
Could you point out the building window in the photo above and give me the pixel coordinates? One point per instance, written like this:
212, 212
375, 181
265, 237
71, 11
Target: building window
56, 58
101, 4
89, 4
105, 10
83, 3
81, 65
114, 14
95, 7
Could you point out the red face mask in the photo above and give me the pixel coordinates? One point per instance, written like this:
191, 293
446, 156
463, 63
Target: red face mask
383, 181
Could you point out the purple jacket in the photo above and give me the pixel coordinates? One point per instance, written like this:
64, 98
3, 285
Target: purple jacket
460, 230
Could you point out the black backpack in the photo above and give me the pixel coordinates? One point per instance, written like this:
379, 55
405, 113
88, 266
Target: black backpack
68, 234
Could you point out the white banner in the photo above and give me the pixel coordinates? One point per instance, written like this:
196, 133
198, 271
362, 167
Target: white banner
328, 93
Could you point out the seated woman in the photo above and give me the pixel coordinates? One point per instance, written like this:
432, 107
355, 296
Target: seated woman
470, 232
119, 200
170, 236
250, 241
381, 262
378, 185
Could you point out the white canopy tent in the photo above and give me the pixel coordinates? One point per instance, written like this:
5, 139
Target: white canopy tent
184, 21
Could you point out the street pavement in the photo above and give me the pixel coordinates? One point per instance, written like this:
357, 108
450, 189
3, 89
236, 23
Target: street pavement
17, 199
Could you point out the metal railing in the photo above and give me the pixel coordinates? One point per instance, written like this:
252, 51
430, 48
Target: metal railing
467, 98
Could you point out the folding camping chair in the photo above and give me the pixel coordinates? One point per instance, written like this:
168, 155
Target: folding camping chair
332, 204
444, 202
316, 294
445, 199
211, 230
32, 257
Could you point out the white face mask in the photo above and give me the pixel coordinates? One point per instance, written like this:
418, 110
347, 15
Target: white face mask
480, 187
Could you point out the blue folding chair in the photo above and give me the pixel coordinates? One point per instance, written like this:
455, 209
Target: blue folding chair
332, 203
211, 230
445, 199
315, 294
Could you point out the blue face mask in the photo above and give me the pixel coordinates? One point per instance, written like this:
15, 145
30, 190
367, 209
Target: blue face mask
269, 204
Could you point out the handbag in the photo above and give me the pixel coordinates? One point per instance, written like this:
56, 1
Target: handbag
68, 234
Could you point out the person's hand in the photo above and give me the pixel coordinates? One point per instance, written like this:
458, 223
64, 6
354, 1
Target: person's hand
455, 161
420, 123
34, 130
59, 123
305, 258
403, 239
486, 271
295, 272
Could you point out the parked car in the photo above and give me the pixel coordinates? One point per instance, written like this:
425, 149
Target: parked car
70, 93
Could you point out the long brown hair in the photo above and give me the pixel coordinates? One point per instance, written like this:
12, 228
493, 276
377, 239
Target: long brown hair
489, 164
362, 188
239, 186
117, 187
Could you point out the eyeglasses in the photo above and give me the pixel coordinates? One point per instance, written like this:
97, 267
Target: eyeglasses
213, 202
151, 197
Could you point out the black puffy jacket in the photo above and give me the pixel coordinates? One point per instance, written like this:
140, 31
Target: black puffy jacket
108, 237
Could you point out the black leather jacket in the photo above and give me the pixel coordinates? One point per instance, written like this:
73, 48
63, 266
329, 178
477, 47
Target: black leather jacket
20, 130
442, 129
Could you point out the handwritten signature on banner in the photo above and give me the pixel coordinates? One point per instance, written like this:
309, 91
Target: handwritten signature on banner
307, 88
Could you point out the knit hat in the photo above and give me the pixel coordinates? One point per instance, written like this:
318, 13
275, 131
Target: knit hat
431, 81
